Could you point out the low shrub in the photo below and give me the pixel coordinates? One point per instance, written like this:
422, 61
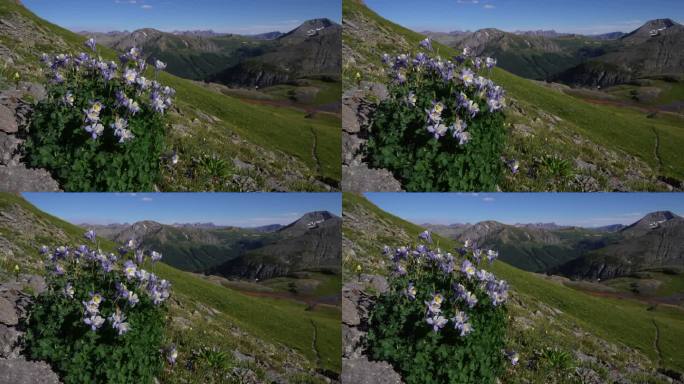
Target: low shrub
102, 125
443, 320
102, 317
441, 129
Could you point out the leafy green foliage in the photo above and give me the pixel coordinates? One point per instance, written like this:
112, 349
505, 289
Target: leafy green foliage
465, 348
465, 154
124, 344
123, 153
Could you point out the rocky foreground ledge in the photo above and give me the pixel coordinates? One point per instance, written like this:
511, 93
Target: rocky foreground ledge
357, 106
15, 115
357, 300
15, 298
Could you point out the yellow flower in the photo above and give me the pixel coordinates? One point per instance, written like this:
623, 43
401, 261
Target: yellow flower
358, 75
358, 267
16, 267
438, 299
17, 76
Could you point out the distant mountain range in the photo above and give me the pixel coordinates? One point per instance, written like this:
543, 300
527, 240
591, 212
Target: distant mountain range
311, 50
655, 241
310, 243
654, 49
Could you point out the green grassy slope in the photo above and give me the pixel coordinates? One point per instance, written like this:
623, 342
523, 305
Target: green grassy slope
612, 127
273, 320
620, 321
278, 129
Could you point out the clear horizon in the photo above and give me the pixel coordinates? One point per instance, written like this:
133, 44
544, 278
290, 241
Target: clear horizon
226, 209
586, 17
586, 210
221, 16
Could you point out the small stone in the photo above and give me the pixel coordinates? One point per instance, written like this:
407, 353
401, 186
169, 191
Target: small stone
350, 315
362, 371
8, 312
8, 122
17, 371
360, 178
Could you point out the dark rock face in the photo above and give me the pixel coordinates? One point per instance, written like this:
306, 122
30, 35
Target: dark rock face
312, 49
594, 74
657, 240
357, 300
357, 108
312, 242
14, 303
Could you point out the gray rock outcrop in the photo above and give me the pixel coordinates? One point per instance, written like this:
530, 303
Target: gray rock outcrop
357, 300
14, 303
357, 106
15, 115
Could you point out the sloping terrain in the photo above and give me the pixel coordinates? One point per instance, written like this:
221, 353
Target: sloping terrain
562, 142
312, 243
223, 143
267, 339
530, 56
529, 248
607, 339
310, 50
188, 56
654, 49
655, 241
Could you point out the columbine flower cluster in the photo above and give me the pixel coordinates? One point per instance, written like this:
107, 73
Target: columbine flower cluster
134, 92
128, 277
470, 94
470, 285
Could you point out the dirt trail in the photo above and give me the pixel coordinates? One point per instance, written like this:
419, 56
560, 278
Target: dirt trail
656, 341
657, 149
314, 150
314, 340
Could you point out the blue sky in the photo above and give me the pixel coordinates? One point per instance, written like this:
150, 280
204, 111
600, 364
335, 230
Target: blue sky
575, 16
580, 209
237, 209
234, 16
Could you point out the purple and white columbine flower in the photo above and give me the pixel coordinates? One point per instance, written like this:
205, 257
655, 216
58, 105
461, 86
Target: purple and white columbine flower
90, 43
426, 43
490, 62
435, 114
133, 298
119, 323
68, 99
461, 323
133, 106
411, 291
129, 269
492, 255
468, 269
119, 125
139, 256
68, 291
155, 256
94, 321
130, 75
171, 354
159, 65
90, 235
411, 99
437, 322
59, 270
95, 130
437, 130
514, 357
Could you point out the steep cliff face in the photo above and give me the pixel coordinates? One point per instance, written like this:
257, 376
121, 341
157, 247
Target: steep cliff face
311, 243
312, 49
655, 241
